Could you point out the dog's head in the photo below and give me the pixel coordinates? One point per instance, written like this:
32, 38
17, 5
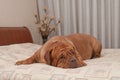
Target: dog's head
64, 55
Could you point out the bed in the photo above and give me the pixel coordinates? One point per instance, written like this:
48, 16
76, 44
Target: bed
17, 44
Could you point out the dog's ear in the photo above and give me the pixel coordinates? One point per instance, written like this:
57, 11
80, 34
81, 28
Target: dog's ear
48, 57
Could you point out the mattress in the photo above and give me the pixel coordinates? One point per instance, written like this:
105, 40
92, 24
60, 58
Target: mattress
107, 67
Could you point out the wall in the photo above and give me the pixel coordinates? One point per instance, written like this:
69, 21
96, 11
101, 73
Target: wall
19, 13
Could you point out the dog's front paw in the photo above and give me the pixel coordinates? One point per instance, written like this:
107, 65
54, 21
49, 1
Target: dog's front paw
19, 62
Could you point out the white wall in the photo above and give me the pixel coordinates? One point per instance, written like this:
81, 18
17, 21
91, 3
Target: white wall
19, 13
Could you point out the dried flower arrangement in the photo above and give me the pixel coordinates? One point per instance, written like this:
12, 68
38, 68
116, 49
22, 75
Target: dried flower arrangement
45, 24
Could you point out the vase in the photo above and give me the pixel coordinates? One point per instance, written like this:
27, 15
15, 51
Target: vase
44, 38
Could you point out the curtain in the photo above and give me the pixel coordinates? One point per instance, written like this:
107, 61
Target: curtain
99, 18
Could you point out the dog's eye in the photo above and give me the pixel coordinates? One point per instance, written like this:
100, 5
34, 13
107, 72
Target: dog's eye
61, 57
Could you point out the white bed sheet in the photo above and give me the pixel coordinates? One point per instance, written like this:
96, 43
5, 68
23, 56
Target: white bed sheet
106, 67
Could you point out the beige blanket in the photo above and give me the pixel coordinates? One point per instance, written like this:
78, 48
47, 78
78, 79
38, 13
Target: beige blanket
106, 67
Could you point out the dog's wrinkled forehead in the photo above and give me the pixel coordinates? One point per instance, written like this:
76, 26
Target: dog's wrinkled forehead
65, 50
62, 46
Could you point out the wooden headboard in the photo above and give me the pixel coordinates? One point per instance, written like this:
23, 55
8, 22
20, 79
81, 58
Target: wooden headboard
14, 35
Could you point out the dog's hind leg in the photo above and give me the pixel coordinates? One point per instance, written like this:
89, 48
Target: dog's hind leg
97, 52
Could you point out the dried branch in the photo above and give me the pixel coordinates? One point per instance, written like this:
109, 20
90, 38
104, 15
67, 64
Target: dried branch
45, 23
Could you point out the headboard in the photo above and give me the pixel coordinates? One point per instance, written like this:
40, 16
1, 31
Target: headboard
14, 35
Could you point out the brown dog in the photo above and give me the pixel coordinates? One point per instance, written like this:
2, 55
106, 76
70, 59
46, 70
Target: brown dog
66, 51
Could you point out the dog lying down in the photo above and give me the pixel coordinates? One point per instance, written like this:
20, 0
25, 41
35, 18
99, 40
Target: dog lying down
66, 51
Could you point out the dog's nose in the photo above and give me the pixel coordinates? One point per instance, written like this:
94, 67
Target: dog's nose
72, 60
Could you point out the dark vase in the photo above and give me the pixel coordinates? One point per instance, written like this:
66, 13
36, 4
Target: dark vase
44, 38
